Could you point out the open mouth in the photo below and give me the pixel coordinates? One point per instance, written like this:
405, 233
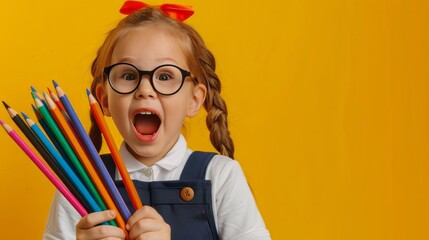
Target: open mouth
146, 123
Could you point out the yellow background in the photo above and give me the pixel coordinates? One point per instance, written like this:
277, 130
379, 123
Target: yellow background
328, 101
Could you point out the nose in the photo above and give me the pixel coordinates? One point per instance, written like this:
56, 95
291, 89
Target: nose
145, 89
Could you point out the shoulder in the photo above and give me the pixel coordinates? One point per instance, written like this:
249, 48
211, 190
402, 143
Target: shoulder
236, 212
225, 173
222, 166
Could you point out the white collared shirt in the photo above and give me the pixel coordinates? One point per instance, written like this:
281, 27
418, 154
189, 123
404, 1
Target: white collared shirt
234, 208
168, 168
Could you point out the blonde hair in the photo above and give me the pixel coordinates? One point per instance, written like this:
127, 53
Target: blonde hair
200, 60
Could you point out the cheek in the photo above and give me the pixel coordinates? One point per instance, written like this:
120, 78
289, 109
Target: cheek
118, 108
175, 109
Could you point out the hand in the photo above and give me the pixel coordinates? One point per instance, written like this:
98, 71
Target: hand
87, 227
147, 224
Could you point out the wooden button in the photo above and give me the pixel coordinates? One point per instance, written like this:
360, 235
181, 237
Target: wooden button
187, 194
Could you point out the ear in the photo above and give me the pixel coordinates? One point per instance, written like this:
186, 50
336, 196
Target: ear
198, 96
102, 98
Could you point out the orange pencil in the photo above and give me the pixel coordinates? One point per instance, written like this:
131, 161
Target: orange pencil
57, 101
99, 117
63, 111
71, 138
93, 154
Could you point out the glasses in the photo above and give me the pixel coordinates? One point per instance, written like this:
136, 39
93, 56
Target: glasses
166, 79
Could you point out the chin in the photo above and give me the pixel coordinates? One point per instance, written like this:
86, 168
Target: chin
147, 151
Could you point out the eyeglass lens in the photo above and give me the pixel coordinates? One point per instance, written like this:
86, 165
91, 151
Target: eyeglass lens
166, 79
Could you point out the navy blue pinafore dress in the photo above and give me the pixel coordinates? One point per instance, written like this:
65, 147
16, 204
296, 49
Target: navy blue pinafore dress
185, 204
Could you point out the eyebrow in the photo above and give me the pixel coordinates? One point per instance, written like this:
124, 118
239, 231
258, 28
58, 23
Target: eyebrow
126, 59
163, 59
133, 60
160, 61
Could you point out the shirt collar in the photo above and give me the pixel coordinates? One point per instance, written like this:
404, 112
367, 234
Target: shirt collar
170, 161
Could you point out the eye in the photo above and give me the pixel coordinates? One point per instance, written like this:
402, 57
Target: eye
129, 76
163, 76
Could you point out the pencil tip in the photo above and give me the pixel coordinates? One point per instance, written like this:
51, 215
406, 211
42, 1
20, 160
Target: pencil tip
34, 95
24, 115
1, 122
33, 89
88, 92
5, 105
36, 111
55, 83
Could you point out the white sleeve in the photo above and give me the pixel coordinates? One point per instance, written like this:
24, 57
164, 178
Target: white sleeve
236, 214
62, 220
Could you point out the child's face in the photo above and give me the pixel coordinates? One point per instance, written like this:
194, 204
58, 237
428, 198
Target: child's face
151, 135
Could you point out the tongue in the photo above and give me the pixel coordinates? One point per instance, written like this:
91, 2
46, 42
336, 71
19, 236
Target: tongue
146, 124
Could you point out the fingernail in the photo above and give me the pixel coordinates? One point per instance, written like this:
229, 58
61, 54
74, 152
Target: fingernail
112, 213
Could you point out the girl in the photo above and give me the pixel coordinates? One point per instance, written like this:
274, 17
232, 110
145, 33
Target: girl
150, 74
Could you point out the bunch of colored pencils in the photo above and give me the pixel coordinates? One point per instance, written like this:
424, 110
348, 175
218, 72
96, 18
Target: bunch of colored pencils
67, 156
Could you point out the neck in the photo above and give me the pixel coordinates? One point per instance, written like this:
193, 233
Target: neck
150, 160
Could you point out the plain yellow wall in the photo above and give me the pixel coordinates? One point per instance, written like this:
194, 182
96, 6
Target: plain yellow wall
328, 101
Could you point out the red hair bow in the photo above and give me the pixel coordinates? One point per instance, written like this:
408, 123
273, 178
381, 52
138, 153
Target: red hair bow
176, 11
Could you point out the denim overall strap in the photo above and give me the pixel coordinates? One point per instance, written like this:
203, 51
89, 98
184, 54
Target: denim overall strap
196, 166
110, 164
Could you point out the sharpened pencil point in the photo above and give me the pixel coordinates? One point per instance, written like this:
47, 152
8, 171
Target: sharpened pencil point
1, 122
5, 105
33, 89
55, 83
34, 95
24, 115
88, 92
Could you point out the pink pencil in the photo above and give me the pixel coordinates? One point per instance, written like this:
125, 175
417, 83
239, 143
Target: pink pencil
41, 165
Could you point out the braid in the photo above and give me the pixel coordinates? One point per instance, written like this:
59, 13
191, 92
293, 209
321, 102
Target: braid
217, 111
203, 64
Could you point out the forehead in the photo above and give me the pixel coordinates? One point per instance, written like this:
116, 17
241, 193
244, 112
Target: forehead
149, 46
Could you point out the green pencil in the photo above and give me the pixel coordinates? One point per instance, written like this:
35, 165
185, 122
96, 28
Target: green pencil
69, 151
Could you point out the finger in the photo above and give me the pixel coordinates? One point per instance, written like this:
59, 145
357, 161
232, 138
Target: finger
96, 218
100, 232
143, 213
145, 226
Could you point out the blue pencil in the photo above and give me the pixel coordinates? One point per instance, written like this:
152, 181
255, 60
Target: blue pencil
110, 185
64, 166
83, 176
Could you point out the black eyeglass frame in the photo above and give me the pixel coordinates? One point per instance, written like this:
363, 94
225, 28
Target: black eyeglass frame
142, 73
